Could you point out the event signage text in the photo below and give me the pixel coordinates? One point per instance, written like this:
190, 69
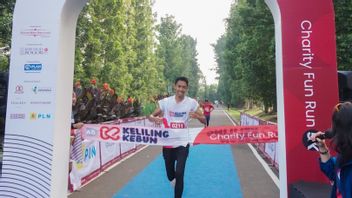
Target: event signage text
170, 137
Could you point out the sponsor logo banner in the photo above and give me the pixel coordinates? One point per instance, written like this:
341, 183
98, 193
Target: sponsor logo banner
34, 51
33, 67
19, 89
40, 102
36, 31
36, 89
39, 116
17, 116
174, 137
18, 102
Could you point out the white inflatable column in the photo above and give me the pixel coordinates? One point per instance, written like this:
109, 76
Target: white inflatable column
36, 145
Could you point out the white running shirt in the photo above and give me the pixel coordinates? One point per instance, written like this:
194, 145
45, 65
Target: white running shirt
177, 114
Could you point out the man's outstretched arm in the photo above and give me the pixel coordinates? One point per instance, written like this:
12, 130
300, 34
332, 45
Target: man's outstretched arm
198, 115
155, 116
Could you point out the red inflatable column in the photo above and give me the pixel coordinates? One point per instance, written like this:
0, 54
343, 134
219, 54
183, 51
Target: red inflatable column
306, 82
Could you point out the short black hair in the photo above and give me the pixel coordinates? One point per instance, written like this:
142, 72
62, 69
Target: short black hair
182, 78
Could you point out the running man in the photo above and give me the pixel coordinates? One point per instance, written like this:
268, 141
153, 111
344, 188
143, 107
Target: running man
207, 109
177, 111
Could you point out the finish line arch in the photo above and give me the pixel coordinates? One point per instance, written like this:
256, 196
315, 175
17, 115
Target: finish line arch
36, 145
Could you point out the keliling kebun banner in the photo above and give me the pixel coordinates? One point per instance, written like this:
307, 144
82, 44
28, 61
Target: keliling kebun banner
174, 137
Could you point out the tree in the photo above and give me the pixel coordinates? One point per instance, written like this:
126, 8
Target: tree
100, 51
147, 77
245, 55
343, 10
177, 54
6, 12
189, 65
116, 45
169, 49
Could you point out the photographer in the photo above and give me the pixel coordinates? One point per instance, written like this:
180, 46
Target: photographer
338, 168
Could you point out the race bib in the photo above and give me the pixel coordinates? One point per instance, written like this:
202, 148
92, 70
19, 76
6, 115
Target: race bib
177, 125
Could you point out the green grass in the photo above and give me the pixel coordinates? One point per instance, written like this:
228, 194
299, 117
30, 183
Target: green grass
235, 113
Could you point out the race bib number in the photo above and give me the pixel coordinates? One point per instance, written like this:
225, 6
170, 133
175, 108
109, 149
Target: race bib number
177, 125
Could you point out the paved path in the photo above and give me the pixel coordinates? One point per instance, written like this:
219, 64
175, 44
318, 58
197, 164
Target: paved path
211, 171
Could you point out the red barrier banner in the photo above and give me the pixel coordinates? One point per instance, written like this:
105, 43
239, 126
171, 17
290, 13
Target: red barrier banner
237, 134
175, 137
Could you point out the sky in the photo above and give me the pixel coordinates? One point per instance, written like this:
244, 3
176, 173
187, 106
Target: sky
204, 20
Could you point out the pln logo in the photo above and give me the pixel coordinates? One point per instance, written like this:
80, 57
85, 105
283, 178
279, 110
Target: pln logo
90, 152
39, 116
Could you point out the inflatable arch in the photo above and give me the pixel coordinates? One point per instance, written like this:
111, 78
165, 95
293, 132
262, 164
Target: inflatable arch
36, 146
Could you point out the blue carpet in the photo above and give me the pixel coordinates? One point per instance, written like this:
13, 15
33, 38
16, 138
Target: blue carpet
210, 172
